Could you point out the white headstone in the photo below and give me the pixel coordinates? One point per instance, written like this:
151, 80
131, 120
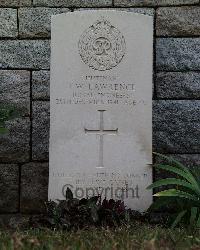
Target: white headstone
101, 106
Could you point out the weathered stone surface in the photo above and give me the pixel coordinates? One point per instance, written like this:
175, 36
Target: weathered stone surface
9, 188
25, 54
15, 3
15, 89
15, 92
128, 3
36, 22
178, 21
14, 221
178, 85
190, 160
14, 146
178, 54
40, 135
147, 11
71, 3
34, 187
40, 85
176, 126
8, 23
77, 150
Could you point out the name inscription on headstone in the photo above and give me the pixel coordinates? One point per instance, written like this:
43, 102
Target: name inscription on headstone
101, 106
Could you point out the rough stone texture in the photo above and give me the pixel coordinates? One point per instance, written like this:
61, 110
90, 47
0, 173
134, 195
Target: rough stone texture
176, 126
36, 22
14, 146
178, 85
14, 221
15, 3
190, 160
128, 3
34, 187
15, 89
173, 54
9, 188
72, 3
146, 11
25, 54
8, 23
40, 85
179, 21
40, 134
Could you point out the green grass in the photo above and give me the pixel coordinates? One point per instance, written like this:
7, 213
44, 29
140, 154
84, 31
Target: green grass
137, 236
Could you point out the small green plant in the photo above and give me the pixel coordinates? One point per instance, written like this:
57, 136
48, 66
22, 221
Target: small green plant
182, 193
6, 113
75, 214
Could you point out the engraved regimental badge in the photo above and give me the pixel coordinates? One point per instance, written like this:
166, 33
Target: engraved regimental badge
102, 46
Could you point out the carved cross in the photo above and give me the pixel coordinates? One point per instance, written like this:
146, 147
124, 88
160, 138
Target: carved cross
101, 132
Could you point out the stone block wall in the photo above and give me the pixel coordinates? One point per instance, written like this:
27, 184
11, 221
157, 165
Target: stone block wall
24, 82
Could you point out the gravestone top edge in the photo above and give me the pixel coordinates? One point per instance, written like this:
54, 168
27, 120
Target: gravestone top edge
84, 12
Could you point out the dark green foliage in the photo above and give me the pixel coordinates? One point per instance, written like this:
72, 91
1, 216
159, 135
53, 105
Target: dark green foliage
75, 214
182, 193
6, 113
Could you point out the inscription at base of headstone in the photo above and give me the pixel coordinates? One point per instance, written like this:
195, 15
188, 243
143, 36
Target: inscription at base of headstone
101, 106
